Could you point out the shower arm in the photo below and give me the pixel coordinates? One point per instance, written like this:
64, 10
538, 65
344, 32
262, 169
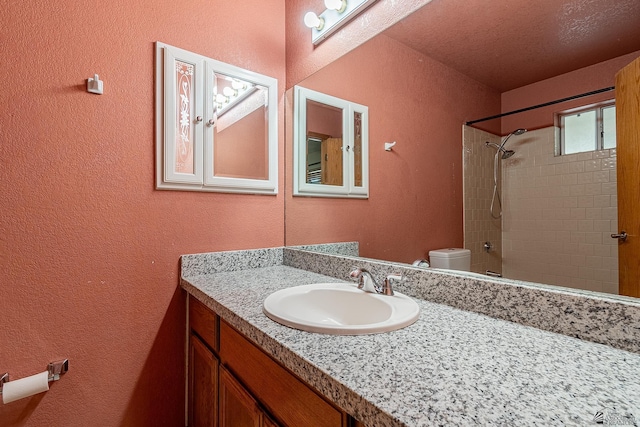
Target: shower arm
501, 148
515, 132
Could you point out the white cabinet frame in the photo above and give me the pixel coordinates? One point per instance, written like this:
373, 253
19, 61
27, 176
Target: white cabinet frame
348, 188
199, 119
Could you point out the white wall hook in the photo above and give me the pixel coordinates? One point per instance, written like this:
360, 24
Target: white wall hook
389, 145
95, 85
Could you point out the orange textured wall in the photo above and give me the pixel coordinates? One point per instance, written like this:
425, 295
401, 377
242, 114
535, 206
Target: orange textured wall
584, 80
322, 120
89, 251
247, 135
415, 201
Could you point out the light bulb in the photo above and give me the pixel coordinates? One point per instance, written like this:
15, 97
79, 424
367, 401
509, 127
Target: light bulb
228, 91
311, 20
339, 5
237, 85
221, 99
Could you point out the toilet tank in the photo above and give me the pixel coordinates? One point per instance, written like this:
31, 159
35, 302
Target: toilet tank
451, 258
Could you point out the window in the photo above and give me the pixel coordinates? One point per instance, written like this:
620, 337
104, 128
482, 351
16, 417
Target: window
589, 129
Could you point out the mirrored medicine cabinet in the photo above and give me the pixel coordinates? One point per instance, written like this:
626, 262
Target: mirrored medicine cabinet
331, 146
216, 125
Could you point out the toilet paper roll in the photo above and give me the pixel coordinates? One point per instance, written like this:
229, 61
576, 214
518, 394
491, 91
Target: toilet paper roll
25, 387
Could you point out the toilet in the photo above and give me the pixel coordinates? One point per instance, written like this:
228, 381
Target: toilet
451, 258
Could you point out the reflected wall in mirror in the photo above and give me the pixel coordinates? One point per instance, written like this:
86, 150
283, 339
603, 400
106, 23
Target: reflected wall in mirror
417, 190
216, 125
415, 197
242, 129
330, 146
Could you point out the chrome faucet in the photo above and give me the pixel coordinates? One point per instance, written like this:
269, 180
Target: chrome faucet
367, 283
420, 263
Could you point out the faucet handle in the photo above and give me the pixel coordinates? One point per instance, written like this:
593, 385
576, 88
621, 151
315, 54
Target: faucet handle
355, 272
365, 279
390, 280
357, 275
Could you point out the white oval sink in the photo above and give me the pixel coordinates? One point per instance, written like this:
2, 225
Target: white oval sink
340, 308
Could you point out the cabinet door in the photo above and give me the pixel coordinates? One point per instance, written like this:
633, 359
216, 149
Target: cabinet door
268, 422
183, 93
237, 407
288, 399
203, 385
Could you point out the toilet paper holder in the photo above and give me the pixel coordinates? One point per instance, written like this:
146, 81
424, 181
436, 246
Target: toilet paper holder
55, 369
3, 379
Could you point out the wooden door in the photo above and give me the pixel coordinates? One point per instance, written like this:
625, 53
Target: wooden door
203, 385
628, 164
331, 152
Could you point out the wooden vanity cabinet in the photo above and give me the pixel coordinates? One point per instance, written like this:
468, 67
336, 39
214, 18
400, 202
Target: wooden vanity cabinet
203, 384
233, 383
203, 366
237, 407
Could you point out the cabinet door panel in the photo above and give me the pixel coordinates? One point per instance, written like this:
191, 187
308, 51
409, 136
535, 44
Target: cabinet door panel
287, 398
268, 422
183, 104
203, 385
237, 407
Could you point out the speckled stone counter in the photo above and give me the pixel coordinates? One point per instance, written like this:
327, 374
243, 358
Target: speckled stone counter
451, 367
603, 318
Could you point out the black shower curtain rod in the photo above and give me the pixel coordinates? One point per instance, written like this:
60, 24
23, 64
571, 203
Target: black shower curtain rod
546, 104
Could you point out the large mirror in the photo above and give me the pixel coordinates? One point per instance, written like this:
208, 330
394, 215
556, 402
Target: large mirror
240, 148
453, 62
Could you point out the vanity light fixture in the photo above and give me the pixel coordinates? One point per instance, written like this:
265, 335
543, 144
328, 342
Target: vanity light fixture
233, 92
337, 14
312, 20
237, 84
339, 5
221, 99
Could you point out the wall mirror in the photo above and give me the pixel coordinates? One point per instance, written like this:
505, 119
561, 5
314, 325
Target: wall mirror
417, 199
330, 146
216, 125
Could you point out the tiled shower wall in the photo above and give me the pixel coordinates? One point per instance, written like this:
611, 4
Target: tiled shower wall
479, 226
559, 213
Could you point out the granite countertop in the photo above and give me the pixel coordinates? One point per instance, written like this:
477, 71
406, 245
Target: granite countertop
451, 367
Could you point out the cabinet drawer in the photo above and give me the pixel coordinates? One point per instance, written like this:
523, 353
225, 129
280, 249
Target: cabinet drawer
203, 322
287, 398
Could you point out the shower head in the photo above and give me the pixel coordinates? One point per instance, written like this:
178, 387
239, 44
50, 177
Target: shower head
505, 153
515, 132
